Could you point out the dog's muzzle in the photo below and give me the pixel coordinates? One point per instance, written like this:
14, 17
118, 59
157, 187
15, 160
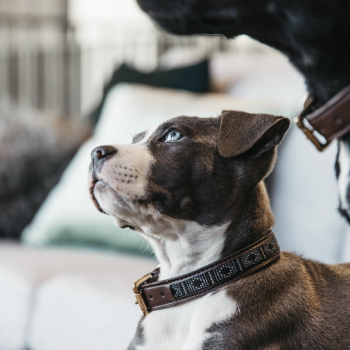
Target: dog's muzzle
98, 155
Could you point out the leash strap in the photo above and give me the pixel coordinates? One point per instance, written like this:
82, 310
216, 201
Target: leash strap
153, 295
331, 121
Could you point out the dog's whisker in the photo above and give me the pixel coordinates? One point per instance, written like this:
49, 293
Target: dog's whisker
143, 241
126, 236
145, 248
196, 215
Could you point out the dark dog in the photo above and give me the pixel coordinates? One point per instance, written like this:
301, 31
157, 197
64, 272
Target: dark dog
315, 35
194, 188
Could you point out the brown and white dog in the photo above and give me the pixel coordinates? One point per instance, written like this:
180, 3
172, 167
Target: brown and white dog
194, 188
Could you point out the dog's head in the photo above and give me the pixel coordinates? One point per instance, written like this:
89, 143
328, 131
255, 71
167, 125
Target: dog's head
234, 17
204, 16
186, 169
311, 33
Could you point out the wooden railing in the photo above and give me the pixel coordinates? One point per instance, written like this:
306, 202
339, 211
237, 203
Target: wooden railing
43, 67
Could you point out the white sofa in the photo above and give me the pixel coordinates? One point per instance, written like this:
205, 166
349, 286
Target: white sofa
56, 298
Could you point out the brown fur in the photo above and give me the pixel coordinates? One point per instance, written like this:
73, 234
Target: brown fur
293, 304
246, 130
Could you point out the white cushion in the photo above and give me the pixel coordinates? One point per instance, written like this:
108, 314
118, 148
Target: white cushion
88, 311
257, 77
36, 285
15, 305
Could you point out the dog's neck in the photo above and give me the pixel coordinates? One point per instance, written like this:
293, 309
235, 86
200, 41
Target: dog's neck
321, 56
325, 74
194, 246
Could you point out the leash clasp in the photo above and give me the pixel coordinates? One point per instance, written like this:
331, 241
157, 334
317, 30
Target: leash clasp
307, 129
138, 294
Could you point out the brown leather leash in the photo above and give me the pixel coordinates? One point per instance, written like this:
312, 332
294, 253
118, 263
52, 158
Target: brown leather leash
152, 294
331, 121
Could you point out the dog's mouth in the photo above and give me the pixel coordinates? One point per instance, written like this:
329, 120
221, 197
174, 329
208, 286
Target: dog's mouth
130, 227
92, 182
98, 188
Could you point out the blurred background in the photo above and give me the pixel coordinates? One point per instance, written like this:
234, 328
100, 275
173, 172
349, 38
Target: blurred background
76, 74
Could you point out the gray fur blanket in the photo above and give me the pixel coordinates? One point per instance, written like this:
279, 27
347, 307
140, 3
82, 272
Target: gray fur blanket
34, 150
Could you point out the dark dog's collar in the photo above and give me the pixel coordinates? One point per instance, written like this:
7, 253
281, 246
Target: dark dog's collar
331, 121
153, 295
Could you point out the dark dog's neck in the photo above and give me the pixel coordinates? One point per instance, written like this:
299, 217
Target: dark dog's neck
317, 42
315, 35
196, 246
326, 69
251, 223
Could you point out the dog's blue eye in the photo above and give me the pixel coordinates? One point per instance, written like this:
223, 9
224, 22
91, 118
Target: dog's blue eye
173, 136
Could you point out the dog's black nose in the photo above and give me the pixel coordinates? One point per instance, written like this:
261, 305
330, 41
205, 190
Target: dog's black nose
102, 152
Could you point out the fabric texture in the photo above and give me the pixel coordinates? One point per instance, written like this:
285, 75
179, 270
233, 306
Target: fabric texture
67, 299
35, 149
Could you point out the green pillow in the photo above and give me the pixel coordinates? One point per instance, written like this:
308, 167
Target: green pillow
193, 78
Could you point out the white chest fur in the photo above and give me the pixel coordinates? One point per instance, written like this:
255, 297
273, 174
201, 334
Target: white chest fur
343, 180
184, 327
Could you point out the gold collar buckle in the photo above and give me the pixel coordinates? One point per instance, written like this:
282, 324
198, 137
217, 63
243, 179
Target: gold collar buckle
138, 293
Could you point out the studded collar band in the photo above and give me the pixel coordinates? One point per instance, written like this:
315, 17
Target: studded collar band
152, 294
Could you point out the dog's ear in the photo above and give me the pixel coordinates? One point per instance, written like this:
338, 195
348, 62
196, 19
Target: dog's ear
241, 131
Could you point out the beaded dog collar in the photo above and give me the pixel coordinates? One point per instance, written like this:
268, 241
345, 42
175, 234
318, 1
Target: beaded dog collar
152, 294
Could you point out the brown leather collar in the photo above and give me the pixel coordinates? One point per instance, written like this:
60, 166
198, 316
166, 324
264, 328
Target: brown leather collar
153, 295
331, 121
